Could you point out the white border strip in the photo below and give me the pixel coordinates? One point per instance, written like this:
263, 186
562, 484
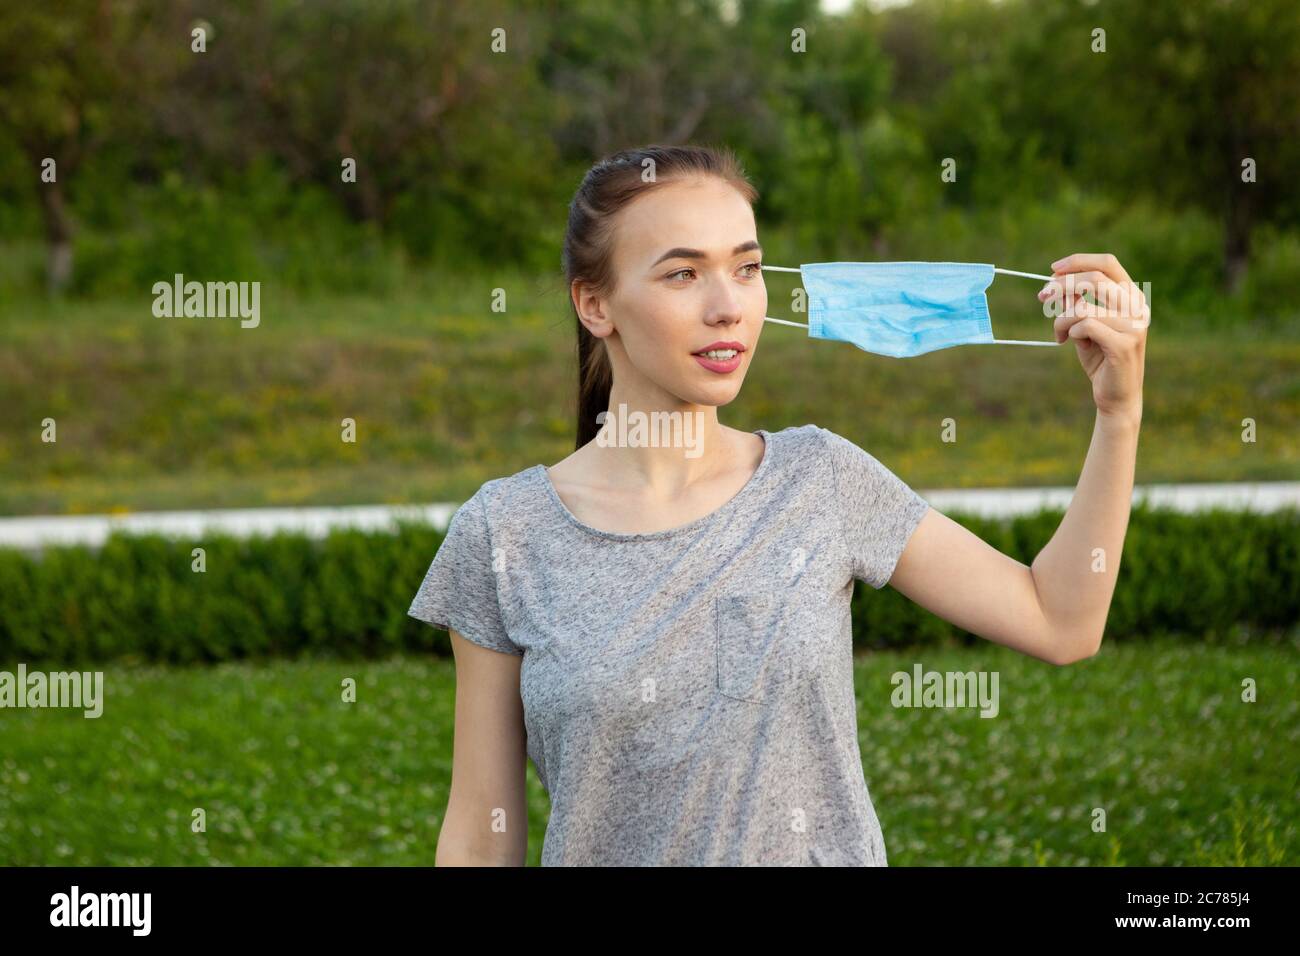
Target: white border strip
1266, 496
33, 533
38, 532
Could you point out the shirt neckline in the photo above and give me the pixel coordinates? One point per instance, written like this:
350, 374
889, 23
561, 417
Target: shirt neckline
727, 506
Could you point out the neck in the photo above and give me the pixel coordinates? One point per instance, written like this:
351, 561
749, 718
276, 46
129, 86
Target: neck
662, 447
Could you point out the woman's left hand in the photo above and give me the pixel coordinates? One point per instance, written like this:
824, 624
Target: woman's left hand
1110, 333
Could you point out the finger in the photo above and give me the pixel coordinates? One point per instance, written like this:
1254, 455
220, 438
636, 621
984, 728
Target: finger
1129, 318
1119, 320
1074, 312
1124, 303
1100, 286
1138, 312
1084, 261
1057, 295
1116, 345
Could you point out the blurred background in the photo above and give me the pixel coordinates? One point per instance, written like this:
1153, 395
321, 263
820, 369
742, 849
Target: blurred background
144, 138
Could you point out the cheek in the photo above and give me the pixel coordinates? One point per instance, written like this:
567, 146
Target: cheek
755, 308
662, 334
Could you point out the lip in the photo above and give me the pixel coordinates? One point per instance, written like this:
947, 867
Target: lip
720, 345
716, 365
713, 365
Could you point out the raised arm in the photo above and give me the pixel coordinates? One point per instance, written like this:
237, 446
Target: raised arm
1056, 609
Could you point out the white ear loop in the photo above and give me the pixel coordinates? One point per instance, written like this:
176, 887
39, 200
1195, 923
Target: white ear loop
1010, 272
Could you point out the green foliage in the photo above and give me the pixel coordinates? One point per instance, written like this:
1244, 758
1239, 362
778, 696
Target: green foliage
197, 413
284, 595
290, 774
1200, 576
228, 162
273, 596
1269, 290
258, 227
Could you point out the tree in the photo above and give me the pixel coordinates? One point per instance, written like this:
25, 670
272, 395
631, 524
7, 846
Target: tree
61, 73
1183, 93
1204, 88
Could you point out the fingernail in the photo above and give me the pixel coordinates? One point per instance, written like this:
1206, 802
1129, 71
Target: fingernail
1057, 263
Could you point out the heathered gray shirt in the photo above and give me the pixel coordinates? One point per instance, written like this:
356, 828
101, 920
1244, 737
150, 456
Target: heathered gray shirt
688, 693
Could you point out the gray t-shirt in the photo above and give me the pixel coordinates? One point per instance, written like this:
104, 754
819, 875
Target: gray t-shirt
688, 693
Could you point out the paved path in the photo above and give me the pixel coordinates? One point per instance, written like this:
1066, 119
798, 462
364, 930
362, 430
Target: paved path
32, 533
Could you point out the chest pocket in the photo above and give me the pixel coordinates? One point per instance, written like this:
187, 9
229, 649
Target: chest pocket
764, 646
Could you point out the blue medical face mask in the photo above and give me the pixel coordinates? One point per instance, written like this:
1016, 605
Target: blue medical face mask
901, 309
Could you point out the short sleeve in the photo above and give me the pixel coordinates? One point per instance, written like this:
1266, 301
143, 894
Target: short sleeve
878, 510
460, 588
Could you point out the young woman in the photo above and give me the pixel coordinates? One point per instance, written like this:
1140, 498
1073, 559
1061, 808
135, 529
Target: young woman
664, 628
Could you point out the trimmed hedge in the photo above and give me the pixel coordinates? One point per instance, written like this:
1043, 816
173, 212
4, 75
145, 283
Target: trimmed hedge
1209, 575
1198, 576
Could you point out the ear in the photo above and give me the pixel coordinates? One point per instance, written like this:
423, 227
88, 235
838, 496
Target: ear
590, 307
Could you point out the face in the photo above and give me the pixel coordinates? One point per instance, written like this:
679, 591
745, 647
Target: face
686, 261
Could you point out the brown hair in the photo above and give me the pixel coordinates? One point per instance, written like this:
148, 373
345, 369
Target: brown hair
608, 186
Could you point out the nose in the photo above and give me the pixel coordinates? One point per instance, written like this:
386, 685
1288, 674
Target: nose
724, 307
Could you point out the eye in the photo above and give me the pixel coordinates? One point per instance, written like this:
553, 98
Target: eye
753, 265
672, 275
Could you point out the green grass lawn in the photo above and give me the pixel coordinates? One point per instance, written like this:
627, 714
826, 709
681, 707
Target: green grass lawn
1156, 735
186, 412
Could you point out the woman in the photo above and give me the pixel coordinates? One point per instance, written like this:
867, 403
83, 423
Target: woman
663, 626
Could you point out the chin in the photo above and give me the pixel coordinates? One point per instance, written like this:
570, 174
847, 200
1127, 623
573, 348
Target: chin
715, 397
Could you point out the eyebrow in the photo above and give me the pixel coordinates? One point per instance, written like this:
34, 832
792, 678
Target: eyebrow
681, 252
